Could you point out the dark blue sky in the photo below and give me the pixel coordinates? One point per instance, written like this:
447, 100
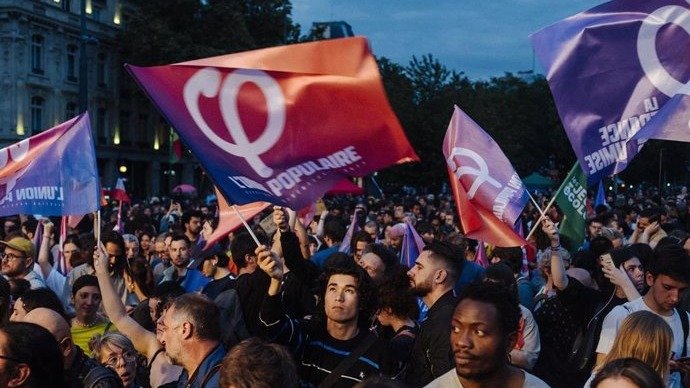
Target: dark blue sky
483, 38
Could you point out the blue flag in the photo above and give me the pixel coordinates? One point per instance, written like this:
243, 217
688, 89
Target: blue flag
52, 173
619, 77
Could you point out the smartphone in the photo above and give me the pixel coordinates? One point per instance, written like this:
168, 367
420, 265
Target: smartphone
607, 261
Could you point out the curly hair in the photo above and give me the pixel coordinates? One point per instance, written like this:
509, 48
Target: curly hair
395, 294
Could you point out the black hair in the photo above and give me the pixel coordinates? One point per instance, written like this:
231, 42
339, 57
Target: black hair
241, 246
121, 259
360, 236
501, 274
651, 213
84, 281
334, 230
5, 299
140, 272
450, 255
511, 256
670, 260
600, 245
395, 294
31, 344
187, 216
366, 292
505, 303
43, 297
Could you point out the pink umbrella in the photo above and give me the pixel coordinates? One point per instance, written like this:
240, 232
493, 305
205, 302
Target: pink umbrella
184, 189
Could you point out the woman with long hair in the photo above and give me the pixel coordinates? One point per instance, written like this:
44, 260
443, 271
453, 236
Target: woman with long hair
645, 336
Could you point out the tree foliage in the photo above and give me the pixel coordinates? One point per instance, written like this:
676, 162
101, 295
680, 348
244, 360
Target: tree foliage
167, 31
518, 113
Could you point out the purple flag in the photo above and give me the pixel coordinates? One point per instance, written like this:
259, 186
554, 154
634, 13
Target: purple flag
345, 245
480, 257
412, 246
619, 76
485, 173
52, 173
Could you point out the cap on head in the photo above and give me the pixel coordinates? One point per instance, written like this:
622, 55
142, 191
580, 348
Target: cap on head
21, 244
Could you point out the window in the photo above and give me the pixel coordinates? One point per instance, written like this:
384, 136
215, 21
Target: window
67, 5
100, 122
142, 128
37, 54
37, 104
70, 110
101, 69
72, 55
96, 13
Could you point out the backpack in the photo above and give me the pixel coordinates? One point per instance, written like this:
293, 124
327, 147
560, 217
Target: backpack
583, 353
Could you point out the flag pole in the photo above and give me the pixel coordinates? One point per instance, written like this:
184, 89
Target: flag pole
553, 199
246, 225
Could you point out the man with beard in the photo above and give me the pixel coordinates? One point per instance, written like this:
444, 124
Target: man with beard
191, 279
192, 225
484, 329
18, 261
432, 278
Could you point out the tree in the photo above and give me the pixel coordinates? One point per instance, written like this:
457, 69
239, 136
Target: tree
198, 29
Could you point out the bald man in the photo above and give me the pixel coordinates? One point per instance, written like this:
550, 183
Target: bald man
80, 370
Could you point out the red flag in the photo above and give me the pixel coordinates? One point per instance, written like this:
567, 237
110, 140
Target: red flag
481, 224
229, 220
485, 185
119, 191
281, 124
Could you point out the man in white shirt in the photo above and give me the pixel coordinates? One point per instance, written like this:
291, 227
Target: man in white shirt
483, 331
668, 276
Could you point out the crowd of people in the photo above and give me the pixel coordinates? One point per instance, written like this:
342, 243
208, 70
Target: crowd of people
145, 299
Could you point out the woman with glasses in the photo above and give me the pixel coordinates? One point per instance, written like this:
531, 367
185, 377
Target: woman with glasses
161, 371
115, 351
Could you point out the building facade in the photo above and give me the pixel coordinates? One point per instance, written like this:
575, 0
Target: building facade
40, 79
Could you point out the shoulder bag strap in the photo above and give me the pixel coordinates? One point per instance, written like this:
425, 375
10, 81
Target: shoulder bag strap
684, 323
348, 361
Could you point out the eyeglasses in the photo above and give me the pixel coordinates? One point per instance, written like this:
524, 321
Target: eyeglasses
11, 359
127, 357
10, 256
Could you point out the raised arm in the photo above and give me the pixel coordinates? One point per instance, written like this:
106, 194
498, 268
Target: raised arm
560, 279
144, 341
44, 249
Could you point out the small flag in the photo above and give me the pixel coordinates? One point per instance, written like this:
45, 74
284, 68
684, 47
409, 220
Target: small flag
52, 173
119, 192
412, 246
571, 197
481, 257
229, 221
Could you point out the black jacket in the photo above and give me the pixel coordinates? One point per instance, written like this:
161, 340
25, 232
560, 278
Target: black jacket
431, 354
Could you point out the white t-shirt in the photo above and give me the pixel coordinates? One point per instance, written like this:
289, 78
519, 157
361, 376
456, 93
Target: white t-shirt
615, 318
450, 379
